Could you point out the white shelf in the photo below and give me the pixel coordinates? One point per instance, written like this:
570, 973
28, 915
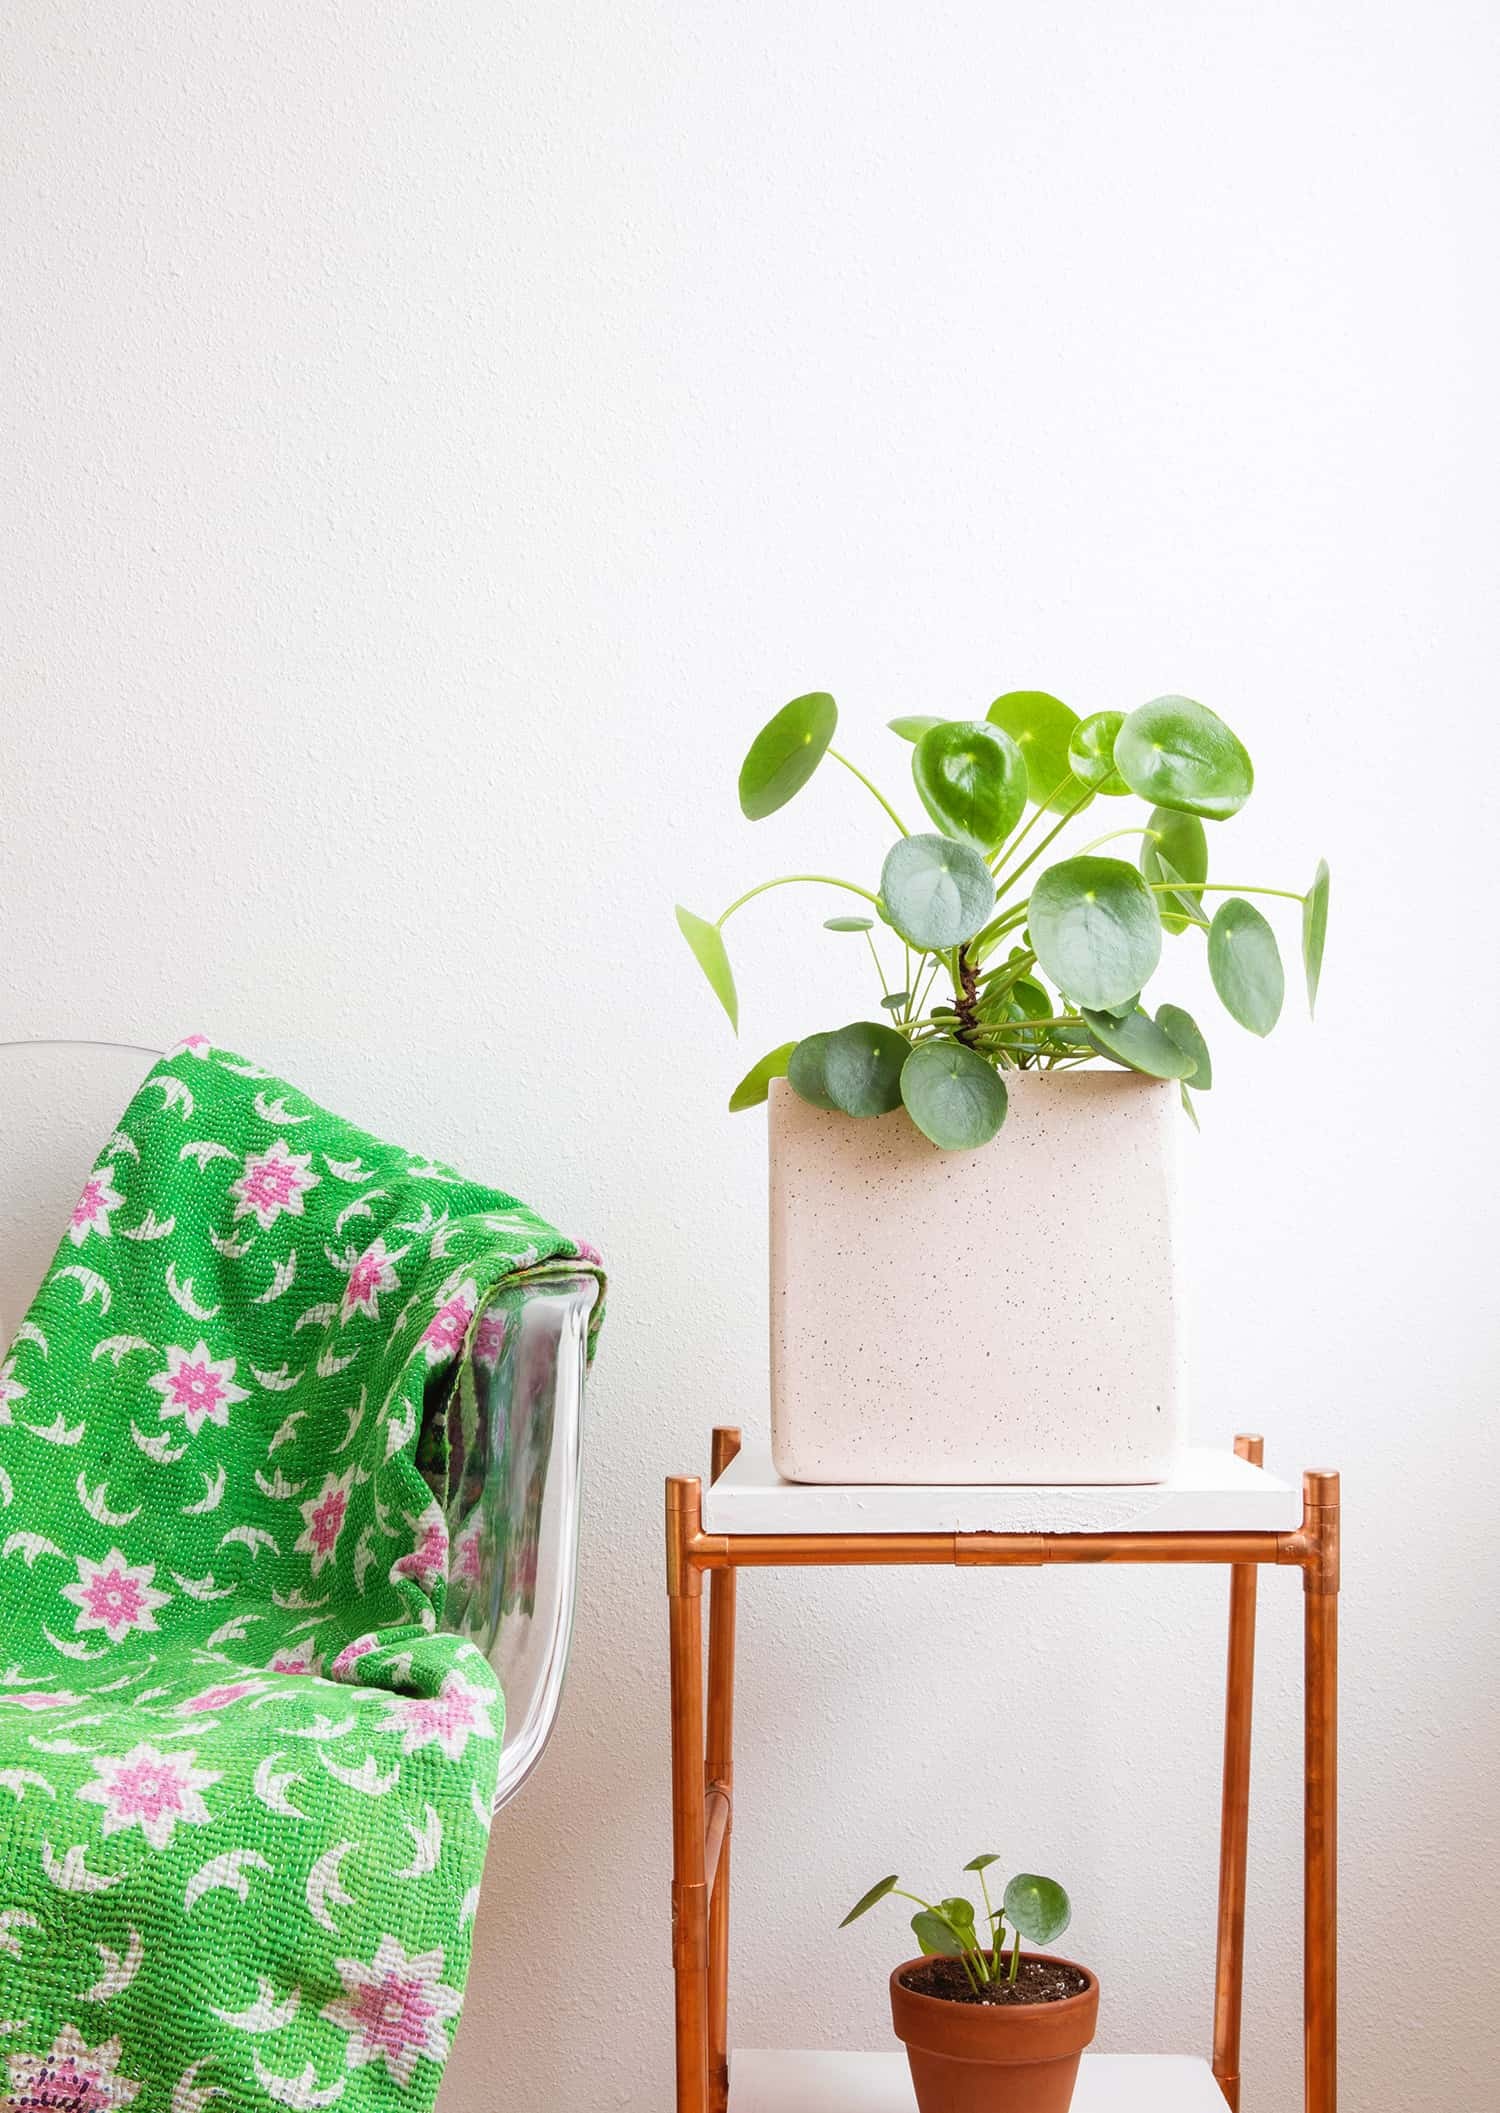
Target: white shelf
1210, 1492
763, 2081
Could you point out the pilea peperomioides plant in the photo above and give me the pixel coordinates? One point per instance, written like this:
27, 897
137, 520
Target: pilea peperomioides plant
1006, 963
1034, 1908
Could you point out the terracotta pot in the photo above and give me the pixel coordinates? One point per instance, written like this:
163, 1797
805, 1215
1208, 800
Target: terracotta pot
1001, 2058
1005, 1315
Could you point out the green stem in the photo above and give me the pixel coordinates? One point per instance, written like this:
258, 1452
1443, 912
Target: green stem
875, 789
989, 1916
1009, 880
880, 972
1015, 1957
785, 880
1219, 887
1004, 851
1114, 837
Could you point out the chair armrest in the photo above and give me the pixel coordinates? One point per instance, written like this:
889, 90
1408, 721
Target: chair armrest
515, 1479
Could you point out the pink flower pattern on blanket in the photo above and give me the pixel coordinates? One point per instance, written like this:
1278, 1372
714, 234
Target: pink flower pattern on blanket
198, 1387
115, 1596
448, 1719
91, 1211
394, 2008
155, 1791
71, 2077
274, 1181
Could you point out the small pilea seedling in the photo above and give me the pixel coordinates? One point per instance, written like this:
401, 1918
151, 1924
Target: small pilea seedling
1034, 1908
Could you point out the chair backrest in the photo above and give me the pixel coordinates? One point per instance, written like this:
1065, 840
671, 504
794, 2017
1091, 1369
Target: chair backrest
516, 1472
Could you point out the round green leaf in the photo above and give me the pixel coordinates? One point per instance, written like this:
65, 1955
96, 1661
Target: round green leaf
1037, 1907
1185, 1032
1138, 1042
896, 1000
862, 1068
1043, 727
1175, 848
707, 943
913, 726
785, 753
756, 1084
971, 778
848, 924
937, 1940
1096, 931
960, 1913
1314, 931
981, 1863
1179, 754
1245, 964
937, 893
876, 1892
1091, 752
804, 1071
952, 1095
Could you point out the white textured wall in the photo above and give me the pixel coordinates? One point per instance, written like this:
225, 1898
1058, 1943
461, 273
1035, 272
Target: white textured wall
433, 437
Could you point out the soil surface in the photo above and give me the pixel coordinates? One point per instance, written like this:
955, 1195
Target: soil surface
1038, 1981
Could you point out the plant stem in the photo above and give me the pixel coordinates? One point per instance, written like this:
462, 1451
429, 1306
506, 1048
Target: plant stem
1009, 880
1219, 887
1015, 1957
989, 1912
875, 789
785, 880
1004, 851
1114, 837
880, 972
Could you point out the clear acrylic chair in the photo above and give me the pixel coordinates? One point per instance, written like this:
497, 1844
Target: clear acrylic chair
518, 1423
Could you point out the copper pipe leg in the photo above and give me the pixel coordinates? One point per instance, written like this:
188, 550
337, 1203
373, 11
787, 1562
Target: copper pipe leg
1234, 1830
689, 1889
719, 1771
1320, 1900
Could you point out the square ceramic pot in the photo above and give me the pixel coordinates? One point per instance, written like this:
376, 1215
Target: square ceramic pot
1005, 1315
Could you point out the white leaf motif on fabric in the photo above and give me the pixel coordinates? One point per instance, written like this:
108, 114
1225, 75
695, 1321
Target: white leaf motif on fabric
323, 1887
427, 1844
224, 1873
271, 1788
19, 1780
71, 1874
367, 1778
265, 2014
204, 1150
181, 1293
57, 1432
91, 1284
201, 1588
213, 1493
29, 1546
11, 1920
114, 1347
283, 1276
94, 1502
158, 1446
299, 2092
118, 1972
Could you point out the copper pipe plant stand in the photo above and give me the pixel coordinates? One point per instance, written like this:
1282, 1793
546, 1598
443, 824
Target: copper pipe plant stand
703, 1745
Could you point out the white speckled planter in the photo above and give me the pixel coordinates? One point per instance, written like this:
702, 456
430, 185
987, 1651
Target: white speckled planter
1006, 1315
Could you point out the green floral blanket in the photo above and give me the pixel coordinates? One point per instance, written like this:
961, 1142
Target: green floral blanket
247, 1753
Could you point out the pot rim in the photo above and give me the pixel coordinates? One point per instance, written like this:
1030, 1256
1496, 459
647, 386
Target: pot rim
1012, 2013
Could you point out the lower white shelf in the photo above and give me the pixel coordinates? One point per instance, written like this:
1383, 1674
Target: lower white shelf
763, 2080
